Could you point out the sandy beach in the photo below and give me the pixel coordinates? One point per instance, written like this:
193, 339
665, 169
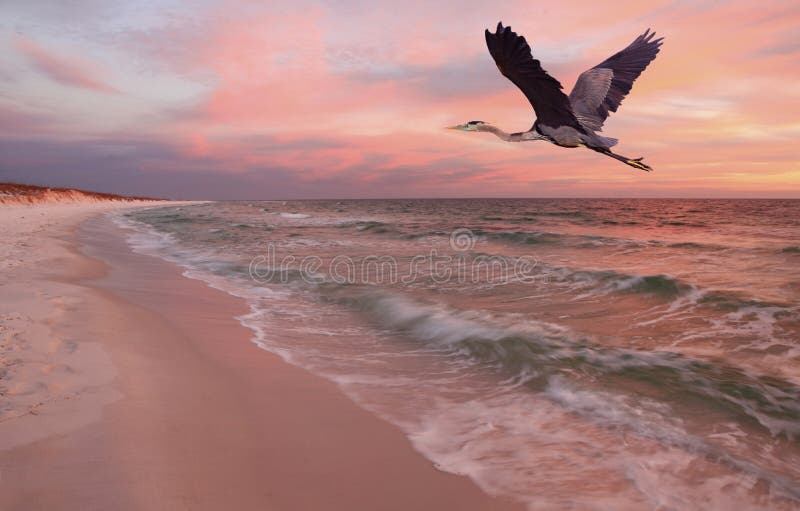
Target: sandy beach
124, 385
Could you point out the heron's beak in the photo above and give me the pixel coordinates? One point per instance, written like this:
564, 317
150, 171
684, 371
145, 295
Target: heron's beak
456, 127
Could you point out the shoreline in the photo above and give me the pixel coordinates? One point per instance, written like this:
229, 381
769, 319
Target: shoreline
179, 409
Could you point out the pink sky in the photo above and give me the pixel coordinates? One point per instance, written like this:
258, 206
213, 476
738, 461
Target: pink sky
284, 99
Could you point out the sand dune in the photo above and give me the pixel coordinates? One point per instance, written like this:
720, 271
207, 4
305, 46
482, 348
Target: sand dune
13, 193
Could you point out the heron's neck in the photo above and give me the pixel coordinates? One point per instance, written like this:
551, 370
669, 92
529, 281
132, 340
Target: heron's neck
508, 137
497, 131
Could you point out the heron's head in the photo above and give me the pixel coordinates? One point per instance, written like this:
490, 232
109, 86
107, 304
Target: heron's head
468, 126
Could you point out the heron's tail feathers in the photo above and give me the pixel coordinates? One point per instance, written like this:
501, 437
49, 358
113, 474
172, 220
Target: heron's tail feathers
608, 141
600, 143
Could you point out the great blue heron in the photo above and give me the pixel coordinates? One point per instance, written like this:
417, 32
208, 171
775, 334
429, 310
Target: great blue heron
574, 120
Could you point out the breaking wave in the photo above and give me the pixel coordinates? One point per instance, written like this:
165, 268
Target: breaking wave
537, 351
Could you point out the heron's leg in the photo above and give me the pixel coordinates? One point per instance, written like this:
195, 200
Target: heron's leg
633, 162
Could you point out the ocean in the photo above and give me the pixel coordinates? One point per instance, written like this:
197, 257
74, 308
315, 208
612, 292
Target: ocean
569, 354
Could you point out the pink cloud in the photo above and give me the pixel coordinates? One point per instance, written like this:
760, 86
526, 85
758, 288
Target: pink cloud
360, 94
66, 70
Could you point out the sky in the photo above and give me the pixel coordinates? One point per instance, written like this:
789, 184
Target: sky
280, 99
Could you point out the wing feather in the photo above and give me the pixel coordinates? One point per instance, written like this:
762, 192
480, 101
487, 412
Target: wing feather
601, 89
513, 57
588, 94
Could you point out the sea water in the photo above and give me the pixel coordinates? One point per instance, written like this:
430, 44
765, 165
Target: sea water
569, 354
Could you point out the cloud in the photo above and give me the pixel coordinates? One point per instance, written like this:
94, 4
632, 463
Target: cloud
784, 44
157, 168
15, 121
349, 98
63, 69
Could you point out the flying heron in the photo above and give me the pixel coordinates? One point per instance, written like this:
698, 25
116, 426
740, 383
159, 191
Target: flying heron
574, 120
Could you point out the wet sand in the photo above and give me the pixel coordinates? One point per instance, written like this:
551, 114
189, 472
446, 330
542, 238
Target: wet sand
137, 389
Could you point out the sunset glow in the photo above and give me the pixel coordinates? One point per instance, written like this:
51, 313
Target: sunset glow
286, 99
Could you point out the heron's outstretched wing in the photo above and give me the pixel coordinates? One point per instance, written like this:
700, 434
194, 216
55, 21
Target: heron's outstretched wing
600, 90
513, 57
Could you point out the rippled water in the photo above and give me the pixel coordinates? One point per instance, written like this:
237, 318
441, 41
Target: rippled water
571, 354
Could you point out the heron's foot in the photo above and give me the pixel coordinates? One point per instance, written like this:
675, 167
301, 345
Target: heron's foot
639, 164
